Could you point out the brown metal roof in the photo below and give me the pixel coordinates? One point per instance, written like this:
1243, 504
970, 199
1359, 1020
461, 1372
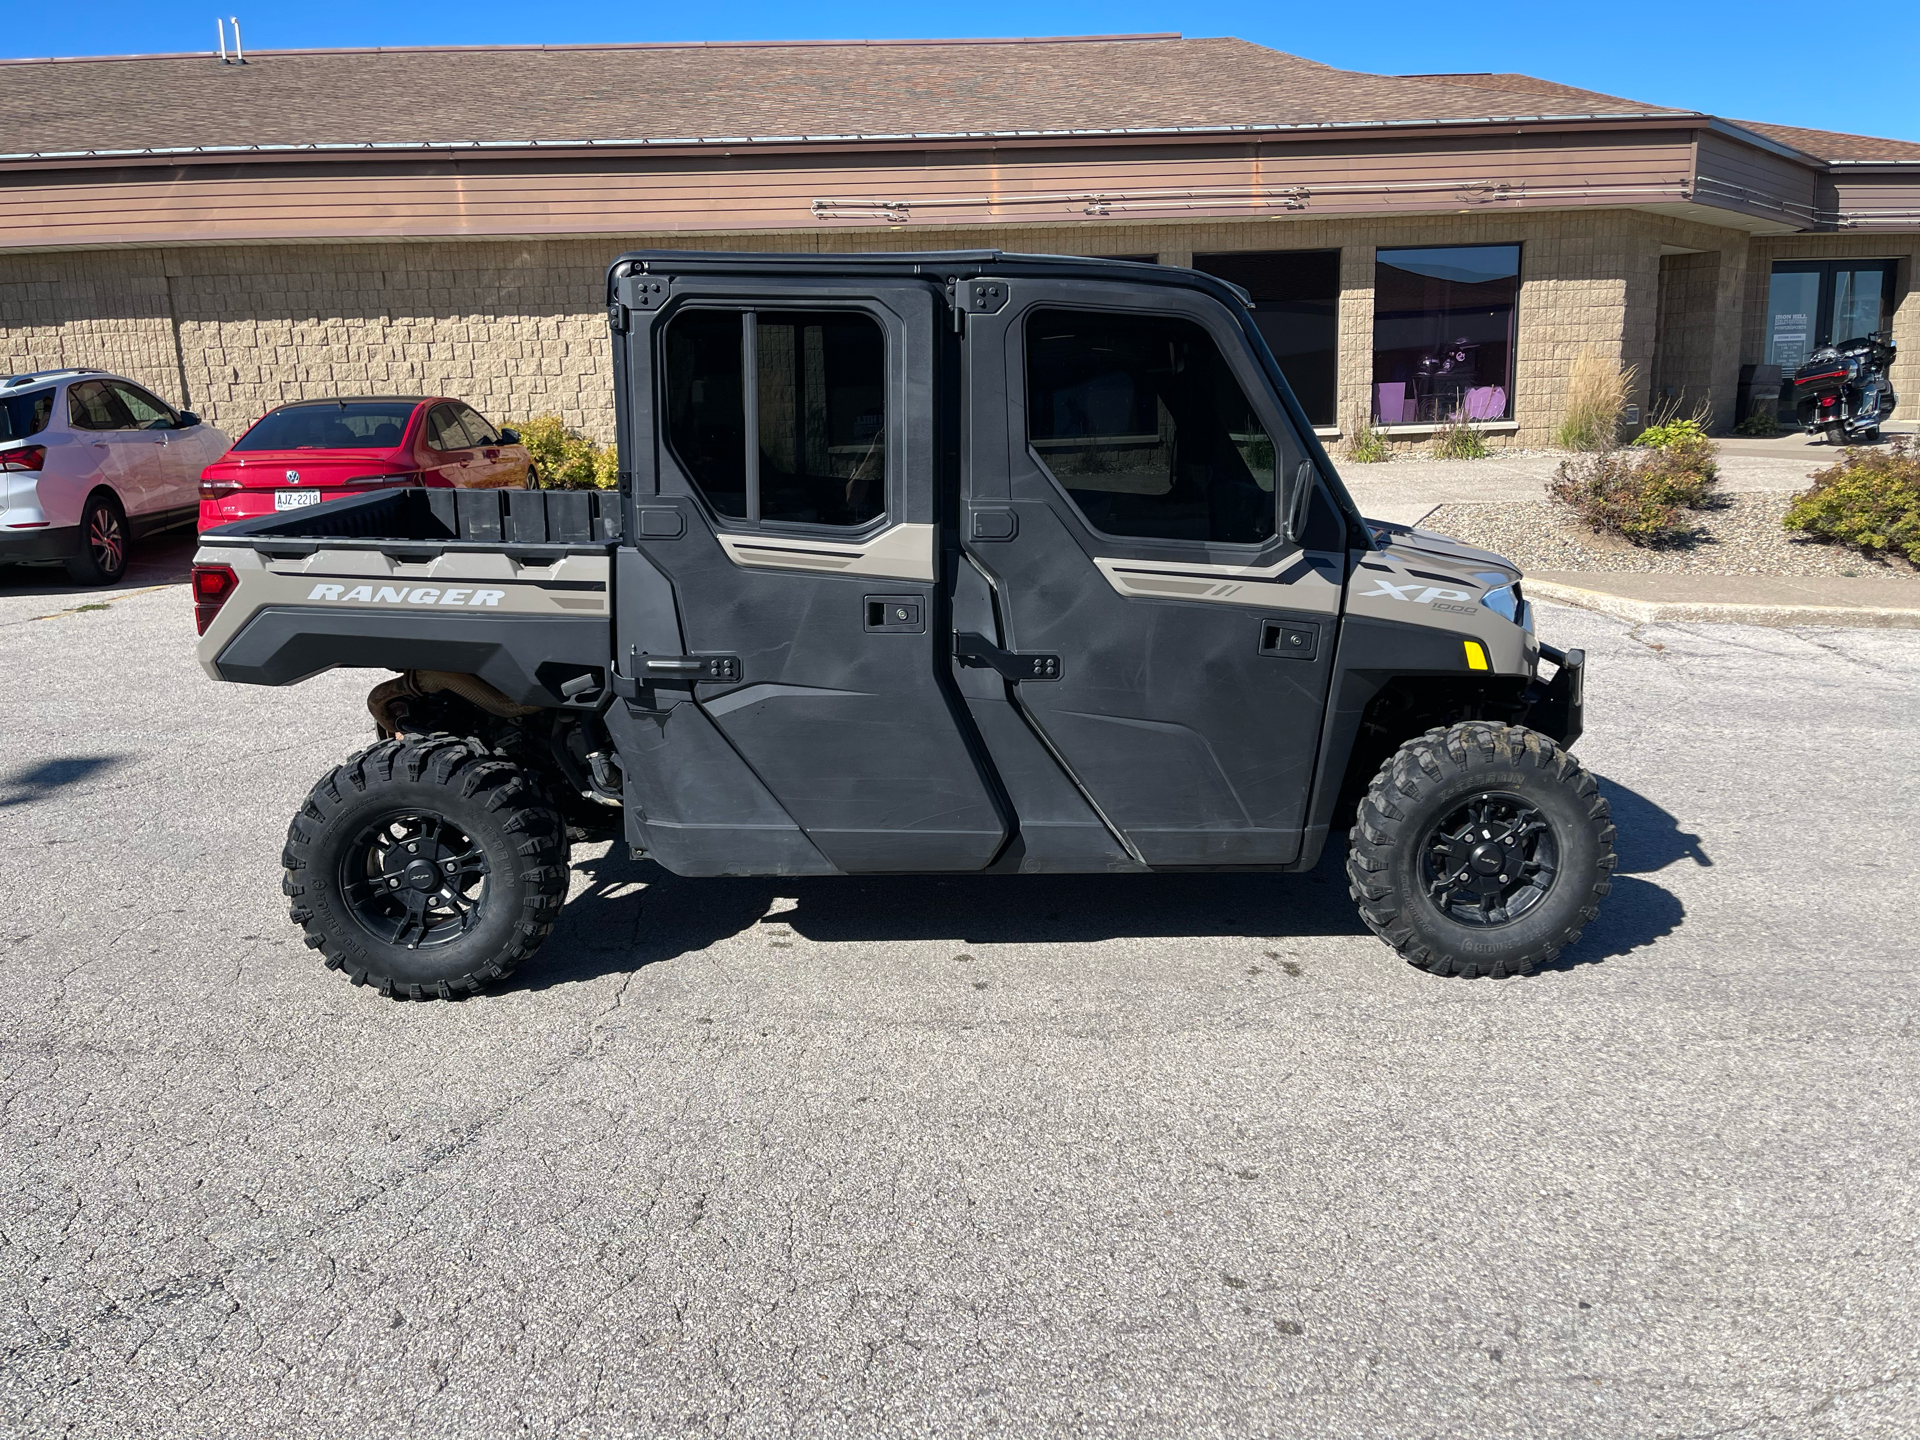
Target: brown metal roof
654, 94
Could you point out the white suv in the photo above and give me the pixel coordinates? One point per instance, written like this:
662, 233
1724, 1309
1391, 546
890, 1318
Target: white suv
91, 462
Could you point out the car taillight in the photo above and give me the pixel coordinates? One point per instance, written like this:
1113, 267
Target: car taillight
212, 584
410, 477
27, 457
215, 489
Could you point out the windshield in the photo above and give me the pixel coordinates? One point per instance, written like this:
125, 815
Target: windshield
344, 425
23, 415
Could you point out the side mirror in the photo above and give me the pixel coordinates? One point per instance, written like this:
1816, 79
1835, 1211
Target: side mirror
1300, 502
187, 420
509, 437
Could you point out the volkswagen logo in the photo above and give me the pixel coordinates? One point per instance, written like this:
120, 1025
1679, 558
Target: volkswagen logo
293, 477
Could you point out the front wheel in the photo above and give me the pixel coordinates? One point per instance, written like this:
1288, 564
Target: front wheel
426, 866
1481, 849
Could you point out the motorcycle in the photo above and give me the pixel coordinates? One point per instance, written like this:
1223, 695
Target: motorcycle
1844, 391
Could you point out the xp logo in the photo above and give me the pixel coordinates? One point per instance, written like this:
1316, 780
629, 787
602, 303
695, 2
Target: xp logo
293, 477
1428, 593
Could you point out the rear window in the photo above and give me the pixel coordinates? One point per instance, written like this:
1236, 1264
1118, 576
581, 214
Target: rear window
353, 425
22, 415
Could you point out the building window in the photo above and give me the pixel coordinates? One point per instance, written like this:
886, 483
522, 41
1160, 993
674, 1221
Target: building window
1443, 333
1145, 427
816, 412
1811, 303
1296, 305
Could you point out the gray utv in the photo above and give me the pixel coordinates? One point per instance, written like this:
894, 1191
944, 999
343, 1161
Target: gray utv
926, 563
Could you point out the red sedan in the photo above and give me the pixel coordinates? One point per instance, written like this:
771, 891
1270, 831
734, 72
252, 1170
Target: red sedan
318, 450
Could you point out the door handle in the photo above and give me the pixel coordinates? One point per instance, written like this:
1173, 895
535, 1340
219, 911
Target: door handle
979, 653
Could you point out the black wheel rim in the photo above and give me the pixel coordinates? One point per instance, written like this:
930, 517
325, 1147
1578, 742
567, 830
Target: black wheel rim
1490, 861
414, 879
106, 541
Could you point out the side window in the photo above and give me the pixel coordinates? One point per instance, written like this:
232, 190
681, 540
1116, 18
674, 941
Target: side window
479, 432
444, 430
1145, 427
816, 410
823, 417
92, 406
147, 412
706, 405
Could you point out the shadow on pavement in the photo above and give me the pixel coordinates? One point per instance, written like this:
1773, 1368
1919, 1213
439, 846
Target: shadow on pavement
163, 560
37, 782
634, 913
1649, 838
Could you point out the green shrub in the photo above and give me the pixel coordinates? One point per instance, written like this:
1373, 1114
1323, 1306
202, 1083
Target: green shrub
1662, 434
1458, 440
1597, 393
1366, 445
565, 458
1645, 496
1760, 423
1870, 500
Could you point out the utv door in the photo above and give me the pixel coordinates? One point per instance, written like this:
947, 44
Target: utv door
789, 501
1128, 465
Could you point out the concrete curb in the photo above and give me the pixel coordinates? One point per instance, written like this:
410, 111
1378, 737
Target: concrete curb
1644, 612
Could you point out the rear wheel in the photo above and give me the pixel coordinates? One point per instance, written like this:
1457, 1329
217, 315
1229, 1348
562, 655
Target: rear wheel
102, 558
1480, 850
533, 478
426, 866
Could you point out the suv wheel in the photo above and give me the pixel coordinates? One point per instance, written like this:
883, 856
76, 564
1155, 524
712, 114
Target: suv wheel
103, 543
1480, 850
426, 866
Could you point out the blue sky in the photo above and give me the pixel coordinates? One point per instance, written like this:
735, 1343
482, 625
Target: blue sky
1734, 59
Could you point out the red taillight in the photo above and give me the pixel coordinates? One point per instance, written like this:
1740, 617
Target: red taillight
27, 457
212, 489
212, 584
1827, 400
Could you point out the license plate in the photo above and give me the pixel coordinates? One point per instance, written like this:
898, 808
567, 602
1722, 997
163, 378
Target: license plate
295, 499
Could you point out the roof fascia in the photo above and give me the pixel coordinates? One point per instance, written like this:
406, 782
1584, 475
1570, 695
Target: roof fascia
814, 144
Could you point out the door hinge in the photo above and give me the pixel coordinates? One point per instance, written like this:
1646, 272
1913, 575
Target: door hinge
979, 653
975, 297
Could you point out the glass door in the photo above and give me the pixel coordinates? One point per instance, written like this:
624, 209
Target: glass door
1811, 303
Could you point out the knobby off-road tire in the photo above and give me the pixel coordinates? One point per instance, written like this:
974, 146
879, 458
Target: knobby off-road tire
426, 866
1481, 849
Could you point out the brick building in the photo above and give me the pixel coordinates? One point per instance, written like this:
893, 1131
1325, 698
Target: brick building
1419, 247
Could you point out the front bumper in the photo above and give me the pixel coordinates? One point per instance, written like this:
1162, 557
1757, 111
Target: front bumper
1557, 708
56, 542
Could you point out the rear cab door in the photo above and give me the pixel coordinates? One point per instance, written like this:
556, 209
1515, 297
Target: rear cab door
782, 532
1130, 465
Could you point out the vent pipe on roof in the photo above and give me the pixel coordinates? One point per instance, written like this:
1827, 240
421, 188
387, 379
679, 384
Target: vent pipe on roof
239, 55
220, 27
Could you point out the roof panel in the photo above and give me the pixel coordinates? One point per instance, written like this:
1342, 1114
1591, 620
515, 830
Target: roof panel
556, 95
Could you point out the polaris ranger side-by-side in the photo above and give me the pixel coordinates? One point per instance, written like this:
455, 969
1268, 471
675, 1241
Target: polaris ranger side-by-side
956, 563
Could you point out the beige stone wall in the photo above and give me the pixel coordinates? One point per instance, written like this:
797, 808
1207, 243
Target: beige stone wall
518, 328
1682, 378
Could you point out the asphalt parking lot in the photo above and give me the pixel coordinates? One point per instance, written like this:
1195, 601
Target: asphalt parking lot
1182, 1157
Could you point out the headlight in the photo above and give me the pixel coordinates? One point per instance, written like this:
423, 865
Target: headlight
1509, 604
